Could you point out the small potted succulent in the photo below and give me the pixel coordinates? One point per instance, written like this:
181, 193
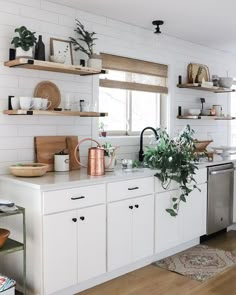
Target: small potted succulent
110, 156
102, 131
24, 42
85, 43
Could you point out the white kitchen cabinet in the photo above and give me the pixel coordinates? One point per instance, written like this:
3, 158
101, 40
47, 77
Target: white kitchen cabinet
167, 227
190, 223
193, 214
74, 247
60, 251
143, 227
91, 242
130, 231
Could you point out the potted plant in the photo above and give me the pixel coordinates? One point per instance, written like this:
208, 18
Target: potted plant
175, 159
24, 42
110, 156
102, 132
85, 43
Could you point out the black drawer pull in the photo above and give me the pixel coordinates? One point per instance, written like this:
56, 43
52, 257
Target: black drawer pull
136, 206
133, 188
82, 218
74, 219
78, 198
131, 207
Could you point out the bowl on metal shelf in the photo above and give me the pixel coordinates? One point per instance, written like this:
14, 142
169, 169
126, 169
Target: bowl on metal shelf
4, 234
194, 112
226, 82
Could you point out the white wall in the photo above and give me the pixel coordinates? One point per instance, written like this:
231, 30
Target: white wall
52, 20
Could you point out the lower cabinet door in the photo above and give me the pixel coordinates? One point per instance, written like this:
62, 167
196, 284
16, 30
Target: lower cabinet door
59, 251
91, 242
193, 214
119, 235
167, 228
143, 227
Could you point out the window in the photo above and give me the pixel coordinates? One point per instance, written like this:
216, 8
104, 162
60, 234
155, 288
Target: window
131, 96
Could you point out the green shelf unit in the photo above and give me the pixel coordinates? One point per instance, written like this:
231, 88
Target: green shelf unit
12, 246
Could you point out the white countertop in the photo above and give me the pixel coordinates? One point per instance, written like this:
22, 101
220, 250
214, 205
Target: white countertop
61, 180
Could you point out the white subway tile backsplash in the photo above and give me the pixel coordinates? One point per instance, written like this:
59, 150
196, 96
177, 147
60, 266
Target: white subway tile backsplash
36, 130
39, 14
7, 6
8, 130
59, 9
34, 3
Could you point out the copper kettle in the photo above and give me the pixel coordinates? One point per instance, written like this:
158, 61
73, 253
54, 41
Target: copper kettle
96, 162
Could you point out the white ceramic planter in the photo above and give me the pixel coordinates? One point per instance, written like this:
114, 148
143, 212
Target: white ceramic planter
22, 53
95, 62
110, 163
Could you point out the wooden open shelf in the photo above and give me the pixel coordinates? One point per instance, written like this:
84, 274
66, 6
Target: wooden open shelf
215, 90
52, 67
206, 117
55, 113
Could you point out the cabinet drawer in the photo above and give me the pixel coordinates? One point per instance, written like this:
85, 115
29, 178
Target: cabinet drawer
130, 188
67, 199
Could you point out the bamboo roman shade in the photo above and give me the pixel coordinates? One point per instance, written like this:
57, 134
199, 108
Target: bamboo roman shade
135, 66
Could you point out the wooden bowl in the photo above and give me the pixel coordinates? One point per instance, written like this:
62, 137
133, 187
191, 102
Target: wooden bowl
29, 170
4, 234
200, 145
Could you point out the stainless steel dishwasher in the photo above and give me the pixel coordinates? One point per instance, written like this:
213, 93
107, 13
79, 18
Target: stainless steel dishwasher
220, 197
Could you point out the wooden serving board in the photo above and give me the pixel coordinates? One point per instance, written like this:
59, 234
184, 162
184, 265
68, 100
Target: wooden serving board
47, 146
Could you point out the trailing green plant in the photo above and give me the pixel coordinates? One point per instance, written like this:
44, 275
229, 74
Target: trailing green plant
175, 160
25, 40
108, 149
84, 36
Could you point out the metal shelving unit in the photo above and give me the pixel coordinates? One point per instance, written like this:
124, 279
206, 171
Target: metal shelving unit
12, 246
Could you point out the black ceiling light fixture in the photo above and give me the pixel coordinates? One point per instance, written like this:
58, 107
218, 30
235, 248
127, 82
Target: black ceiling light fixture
157, 23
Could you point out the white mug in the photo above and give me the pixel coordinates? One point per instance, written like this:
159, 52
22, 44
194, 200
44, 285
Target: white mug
218, 109
37, 103
45, 104
25, 102
15, 103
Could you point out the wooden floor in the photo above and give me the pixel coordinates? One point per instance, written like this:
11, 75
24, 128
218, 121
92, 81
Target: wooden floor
152, 280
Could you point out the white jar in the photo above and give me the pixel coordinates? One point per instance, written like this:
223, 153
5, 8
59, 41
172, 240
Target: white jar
61, 162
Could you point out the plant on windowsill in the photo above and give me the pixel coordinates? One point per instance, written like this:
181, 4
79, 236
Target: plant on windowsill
175, 160
102, 131
85, 43
24, 42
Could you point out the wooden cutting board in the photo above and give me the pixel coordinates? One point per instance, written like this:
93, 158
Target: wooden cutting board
47, 146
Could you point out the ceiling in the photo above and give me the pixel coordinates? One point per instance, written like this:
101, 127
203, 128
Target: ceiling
207, 22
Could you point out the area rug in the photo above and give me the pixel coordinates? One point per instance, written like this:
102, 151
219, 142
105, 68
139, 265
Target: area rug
200, 262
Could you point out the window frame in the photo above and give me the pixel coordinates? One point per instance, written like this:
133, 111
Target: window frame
129, 66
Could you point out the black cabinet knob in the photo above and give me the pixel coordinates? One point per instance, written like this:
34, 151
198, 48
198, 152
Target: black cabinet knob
74, 219
131, 207
136, 206
82, 218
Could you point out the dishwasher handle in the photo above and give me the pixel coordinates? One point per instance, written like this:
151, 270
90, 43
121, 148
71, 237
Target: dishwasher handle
222, 171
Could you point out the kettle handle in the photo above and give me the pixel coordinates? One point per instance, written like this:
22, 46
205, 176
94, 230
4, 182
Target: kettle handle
79, 143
